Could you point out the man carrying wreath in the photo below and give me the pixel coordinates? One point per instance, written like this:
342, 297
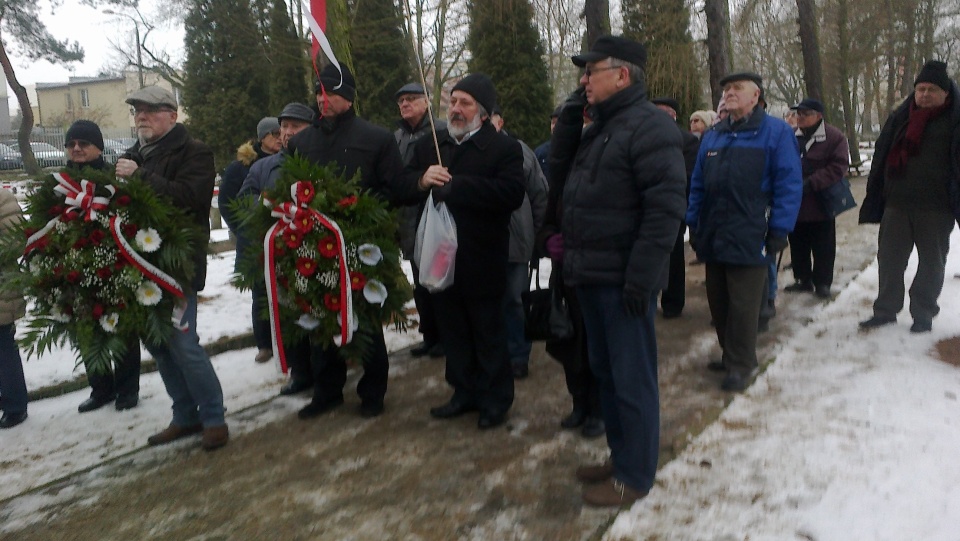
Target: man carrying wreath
181, 168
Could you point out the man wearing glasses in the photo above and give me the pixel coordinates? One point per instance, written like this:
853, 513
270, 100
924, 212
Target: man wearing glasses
622, 202
181, 168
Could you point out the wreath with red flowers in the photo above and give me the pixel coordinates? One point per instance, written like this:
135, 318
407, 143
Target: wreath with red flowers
328, 254
106, 263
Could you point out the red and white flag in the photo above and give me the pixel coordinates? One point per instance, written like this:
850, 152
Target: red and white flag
317, 19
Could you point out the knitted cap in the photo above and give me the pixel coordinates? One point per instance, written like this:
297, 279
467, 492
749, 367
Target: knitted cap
481, 88
934, 72
330, 80
267, 125
85, 130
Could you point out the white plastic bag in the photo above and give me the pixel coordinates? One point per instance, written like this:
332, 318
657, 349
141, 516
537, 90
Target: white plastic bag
436, 248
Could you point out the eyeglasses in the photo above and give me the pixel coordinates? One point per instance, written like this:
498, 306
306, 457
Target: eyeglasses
806, 112
275, 133
82, 144
137, 109
590, 71
409, 98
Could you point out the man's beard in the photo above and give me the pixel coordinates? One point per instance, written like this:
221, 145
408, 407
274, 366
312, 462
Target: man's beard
459, 131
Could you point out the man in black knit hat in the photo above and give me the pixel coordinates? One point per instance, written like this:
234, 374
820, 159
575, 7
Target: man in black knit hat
913, 192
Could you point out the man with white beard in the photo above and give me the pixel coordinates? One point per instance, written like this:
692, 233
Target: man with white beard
481, 182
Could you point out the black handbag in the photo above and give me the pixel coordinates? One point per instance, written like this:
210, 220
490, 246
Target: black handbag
837, 198
546, 316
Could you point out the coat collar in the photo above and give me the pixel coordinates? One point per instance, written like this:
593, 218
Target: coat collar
481, 139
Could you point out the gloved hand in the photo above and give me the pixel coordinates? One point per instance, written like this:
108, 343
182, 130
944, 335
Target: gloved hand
555, 248
776, 243
636, 304
572, 109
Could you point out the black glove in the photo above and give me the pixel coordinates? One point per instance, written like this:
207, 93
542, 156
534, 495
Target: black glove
693, 240
776, 244
571, 110
636, 304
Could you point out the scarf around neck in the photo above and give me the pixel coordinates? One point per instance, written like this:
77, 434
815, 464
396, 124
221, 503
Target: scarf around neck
909, 144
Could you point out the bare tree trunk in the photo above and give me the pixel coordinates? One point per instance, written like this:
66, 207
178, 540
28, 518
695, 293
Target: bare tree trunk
810, 46
718, 44
910, 66
30, 164
892, 58
849, 113
596, 13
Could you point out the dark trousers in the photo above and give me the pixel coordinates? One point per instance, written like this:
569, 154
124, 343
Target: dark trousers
261, 325
298, 355
900, 231
572, 353
735, 293
813, 250
123, 380
623, 357
474, 339
674, 296
330, 371
427, 313
13, 388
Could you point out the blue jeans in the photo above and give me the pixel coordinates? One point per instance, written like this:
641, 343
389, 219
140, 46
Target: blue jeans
623, 358
188, 375
13, 388
518, 281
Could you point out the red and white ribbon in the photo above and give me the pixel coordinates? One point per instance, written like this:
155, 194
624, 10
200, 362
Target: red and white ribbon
79, 196
286, 214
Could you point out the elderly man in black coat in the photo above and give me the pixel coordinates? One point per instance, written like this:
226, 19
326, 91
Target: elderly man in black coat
481, 182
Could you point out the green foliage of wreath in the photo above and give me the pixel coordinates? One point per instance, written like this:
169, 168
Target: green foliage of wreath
306, 268
83, 290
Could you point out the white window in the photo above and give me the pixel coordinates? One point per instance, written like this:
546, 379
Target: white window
84, 98
69, 102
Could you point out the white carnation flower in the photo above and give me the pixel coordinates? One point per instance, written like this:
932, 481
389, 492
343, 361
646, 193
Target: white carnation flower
149, 294
148, 240
109, 321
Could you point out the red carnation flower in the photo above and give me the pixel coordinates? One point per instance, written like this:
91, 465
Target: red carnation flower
293, 238
68, 216
306, 266
81, 243
305, 192
104, 272
55, 210
328, 246
97, 311
123, 200
73, 276
332, 302
357, 281
129, 230
348, 201
303, 220
97, 236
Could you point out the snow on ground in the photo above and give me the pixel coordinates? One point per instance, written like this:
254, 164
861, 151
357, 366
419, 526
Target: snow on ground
847, 436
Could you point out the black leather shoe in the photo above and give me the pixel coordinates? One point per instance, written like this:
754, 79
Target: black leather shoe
94, 403
489, 419
452, 409
369, 410
734, 382
421, 350
671, 314
295, 387
315, 409
921, 326
437, 351
576, 418
126, 402
801, 286
717, 366
823, 292
877, 321
10, 420
593, 428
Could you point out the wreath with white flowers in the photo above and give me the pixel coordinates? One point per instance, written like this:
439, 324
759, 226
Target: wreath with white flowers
328, 254
106, 262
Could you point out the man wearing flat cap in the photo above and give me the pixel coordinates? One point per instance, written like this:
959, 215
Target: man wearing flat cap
353, 145
481, 182
744, 197
181, 168
825, 158
413, 125
913, 192
620, 184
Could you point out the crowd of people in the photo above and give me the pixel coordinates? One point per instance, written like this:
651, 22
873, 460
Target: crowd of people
609, 199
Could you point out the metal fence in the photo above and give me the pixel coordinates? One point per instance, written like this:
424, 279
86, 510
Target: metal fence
49, 150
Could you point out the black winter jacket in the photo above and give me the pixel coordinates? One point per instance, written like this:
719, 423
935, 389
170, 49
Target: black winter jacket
624, 197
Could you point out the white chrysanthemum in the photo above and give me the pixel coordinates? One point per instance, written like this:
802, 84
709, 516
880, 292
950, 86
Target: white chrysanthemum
57, 315
109, 321
375, 292
308, 322
149, 240
369, 254
149, 294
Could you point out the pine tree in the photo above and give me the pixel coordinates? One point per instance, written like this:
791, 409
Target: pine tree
380, 58
226, 89
288, 66
662, 25
505, 44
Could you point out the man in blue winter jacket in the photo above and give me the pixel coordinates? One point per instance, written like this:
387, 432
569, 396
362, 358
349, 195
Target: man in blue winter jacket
745, 194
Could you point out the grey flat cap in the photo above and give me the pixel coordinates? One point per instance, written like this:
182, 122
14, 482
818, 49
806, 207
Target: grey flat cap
410, 88
296, 111
153, 95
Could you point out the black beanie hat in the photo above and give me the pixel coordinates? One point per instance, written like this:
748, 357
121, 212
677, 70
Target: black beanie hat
330, 80
481, 88
85, 130
935, 72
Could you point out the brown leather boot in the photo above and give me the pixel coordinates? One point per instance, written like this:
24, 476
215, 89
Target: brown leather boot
595, 473
612, 493
215, 437
173, 433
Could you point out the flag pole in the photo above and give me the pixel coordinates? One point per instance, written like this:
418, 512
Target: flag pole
423, 79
